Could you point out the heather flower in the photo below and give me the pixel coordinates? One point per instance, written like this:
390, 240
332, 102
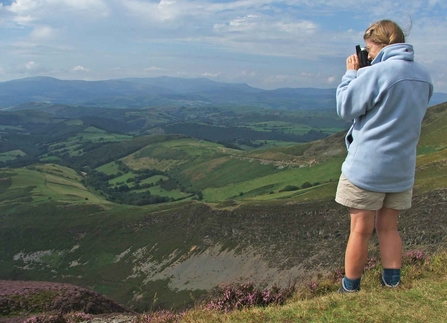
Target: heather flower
238, 296
370, 263
312, 286
415, 256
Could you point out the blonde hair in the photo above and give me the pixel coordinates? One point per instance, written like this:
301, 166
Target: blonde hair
384, 32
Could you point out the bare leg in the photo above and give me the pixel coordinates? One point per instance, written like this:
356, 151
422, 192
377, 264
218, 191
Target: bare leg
389, 238
362, 227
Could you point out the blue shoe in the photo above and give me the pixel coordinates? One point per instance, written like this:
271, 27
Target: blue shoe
343, 289
384, 284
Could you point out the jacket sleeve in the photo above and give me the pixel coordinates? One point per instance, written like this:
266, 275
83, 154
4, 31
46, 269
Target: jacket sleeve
357, 93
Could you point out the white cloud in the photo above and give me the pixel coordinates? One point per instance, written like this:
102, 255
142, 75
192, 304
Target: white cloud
154, 68
206, 74
30, 65
93, 6
80, 68
30, 68
162, 11
273, 40
24, 6
42, 32
28, 11
248, 73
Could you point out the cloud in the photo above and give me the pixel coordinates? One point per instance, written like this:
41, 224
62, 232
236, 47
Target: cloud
92, 6
29, 68
274, 40
212, 75
80, 68
30, 65
42, 32
23, 6
163, 11
264, 28
31, 12
154, 68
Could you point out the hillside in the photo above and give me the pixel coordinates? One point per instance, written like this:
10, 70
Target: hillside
421, 293
66, 134
56, 225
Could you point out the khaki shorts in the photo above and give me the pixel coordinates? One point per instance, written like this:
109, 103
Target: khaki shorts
355, 197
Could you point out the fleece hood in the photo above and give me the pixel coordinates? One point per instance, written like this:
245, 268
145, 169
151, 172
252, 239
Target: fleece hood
399, 51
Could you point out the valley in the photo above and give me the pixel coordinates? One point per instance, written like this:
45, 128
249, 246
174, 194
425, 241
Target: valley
171, 202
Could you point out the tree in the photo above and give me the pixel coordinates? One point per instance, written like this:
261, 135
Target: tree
306, 185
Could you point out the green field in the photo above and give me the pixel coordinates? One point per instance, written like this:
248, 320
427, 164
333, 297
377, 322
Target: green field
15, 128
175, 194
97, 135
121, 179
274, 182
110, 168
49, 182
11, 155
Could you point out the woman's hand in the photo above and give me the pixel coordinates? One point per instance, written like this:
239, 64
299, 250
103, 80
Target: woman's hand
352, 62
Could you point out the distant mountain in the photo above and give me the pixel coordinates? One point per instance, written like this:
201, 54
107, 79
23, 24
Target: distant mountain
437, 98
51, 90
158, 92
137, 93
188, 86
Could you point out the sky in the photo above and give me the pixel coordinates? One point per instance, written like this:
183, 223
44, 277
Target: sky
267, 44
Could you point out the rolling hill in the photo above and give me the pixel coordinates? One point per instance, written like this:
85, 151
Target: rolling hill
264, 215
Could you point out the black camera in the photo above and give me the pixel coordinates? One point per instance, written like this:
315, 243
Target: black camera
362, 54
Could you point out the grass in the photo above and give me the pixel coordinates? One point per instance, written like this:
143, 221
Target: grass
286, 127
420, 298
178, 154
176, 194
52, 181
423, 303
108, 169
97, 135
279, 179
11, 155
19, 128
122, 179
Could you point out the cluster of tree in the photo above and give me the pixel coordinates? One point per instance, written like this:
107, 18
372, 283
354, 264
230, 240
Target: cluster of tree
295, 188
20, 161
134, 198
250, 143
127, 195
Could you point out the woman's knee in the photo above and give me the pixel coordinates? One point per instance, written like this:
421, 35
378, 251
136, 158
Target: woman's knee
362, 222
386, 220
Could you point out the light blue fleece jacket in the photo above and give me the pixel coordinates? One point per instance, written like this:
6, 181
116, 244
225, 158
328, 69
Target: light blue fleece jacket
387, 102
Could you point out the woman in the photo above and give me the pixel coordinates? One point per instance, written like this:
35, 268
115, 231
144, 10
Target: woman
387, 102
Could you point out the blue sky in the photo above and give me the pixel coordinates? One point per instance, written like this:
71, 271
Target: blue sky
265, 43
